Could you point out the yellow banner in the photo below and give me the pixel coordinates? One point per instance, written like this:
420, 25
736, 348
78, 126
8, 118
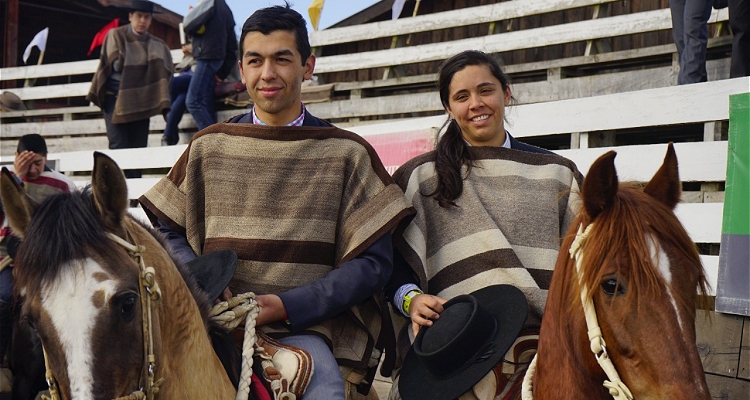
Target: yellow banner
316, 7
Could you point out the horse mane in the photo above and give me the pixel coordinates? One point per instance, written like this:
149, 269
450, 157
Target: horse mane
623, 228
66, 227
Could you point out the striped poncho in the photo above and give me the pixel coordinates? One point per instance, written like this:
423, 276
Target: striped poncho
294, 203
146, 66
507, 228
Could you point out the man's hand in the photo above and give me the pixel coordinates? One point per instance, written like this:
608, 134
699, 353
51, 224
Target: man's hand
225, 295
271, 309
22, 163
423, 309
187, 49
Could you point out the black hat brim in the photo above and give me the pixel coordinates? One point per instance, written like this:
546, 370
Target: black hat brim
508, 304
214, 271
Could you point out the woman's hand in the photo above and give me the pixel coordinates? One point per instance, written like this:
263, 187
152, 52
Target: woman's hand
423, 309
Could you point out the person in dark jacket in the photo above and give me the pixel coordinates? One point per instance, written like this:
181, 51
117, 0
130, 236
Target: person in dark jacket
490, 210
307, 207
215, 53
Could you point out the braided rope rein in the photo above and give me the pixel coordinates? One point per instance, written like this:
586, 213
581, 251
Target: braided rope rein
230, 314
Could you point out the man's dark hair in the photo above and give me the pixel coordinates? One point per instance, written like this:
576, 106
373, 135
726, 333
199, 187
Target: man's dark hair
32, 142
278, 18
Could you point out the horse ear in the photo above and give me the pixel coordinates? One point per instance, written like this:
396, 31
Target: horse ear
665, 186
110, 191
17, 205
600, 185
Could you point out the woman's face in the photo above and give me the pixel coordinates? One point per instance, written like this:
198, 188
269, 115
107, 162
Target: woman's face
477, 102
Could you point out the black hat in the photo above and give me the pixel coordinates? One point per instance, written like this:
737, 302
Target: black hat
141, 5
213, 271
473, 334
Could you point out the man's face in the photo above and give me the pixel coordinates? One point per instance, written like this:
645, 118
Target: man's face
140, 21
273, 71
37, 167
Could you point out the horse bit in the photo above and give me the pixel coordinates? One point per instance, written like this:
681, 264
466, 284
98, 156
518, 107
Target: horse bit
617, 388
149, 287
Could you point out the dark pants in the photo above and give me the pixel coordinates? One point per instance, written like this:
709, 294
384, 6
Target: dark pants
178, 96
739, 20
690, 34
124, 136
200, 97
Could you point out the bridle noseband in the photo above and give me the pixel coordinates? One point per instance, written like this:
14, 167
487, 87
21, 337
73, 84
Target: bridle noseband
150, 293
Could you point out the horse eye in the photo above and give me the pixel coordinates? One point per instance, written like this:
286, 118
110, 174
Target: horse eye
28, 321
127, 307
611, 287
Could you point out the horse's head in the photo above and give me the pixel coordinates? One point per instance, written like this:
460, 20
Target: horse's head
90, 298
640, 270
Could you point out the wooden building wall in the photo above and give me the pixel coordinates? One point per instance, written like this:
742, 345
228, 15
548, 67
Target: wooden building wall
72, 25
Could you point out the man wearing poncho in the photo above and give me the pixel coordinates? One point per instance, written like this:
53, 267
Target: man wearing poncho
308, 208
131, 83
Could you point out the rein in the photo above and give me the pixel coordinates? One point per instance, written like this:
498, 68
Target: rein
149, 287
617, 388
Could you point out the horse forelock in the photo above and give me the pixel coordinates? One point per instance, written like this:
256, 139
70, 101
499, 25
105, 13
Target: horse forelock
66, 227
63, 228
630, 235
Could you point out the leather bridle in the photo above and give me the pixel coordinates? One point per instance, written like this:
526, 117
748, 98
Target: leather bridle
616, 387
149, 294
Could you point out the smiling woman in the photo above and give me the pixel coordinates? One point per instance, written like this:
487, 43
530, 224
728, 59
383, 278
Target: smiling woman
477, 100
490, 210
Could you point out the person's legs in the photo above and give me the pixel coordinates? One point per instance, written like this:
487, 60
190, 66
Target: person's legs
326, 382
177, 95
693, 57
200, 96
739, 20
116, 133
678, 16
137, 136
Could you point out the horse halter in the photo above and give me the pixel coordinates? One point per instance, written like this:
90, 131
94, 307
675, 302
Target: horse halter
617, 388
149, 294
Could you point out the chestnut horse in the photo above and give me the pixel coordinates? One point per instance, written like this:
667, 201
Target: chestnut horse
111, 325
640, 270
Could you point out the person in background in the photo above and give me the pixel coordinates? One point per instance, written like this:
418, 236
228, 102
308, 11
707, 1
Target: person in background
307, 207
39, 181
215, 53
490, 209
132, 81
690, 34
739, 21
178, 96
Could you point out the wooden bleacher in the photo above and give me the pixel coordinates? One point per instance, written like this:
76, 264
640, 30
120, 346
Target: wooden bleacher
81, 127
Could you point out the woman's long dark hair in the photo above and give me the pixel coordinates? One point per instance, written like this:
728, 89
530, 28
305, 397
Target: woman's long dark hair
452, 150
